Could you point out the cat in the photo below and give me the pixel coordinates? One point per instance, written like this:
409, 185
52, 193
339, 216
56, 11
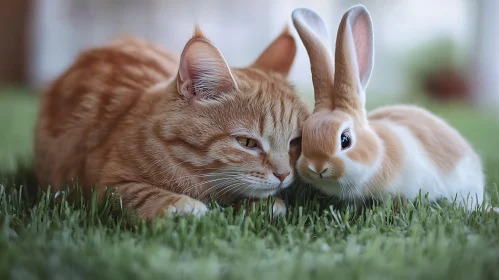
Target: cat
169, 132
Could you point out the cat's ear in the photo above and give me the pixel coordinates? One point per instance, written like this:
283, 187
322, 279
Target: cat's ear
279, 55
203, 72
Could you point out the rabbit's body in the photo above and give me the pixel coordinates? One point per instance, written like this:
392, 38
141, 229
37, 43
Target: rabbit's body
426, 159
423, 161
397, 151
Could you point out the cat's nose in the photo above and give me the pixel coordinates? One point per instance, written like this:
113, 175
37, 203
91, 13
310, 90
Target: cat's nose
281, 176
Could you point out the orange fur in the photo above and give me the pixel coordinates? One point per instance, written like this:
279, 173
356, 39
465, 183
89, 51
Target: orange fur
117, 118
392, 158
365, 153
270, 56
395, 150
430, 131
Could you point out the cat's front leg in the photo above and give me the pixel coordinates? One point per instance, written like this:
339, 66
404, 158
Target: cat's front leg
278, 208
152, 201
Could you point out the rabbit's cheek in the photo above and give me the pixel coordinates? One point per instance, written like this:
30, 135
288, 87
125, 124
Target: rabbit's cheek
367, 152
337, 167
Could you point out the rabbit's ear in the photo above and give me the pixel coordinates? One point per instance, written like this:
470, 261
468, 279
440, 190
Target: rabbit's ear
353, 59
313, 33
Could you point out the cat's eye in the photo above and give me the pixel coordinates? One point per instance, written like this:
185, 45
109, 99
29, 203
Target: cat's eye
295, 143
346, 139
247, 142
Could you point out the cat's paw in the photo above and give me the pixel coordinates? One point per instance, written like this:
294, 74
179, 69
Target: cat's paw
187, 206
279, 207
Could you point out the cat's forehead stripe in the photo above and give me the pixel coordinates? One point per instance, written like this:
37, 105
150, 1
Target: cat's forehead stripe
283, 113
282, 120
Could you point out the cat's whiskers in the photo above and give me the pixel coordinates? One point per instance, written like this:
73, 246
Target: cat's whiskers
191, 188
234, 187
173, 183
220, 186
249, 186
219, 177
222, 183
183, 178
239, 189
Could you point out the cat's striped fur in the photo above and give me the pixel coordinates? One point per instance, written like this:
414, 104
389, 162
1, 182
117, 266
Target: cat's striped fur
126, 115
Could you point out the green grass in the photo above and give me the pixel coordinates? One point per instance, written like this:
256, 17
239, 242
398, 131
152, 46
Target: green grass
43, 240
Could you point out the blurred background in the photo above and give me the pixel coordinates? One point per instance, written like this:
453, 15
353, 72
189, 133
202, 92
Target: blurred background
432, 52
445, 48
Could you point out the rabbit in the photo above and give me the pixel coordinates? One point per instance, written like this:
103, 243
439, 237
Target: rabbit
391, 152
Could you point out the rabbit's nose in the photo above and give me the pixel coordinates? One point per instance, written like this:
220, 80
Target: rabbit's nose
319, 169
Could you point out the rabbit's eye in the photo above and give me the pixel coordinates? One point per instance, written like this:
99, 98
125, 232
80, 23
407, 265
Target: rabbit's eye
345, 140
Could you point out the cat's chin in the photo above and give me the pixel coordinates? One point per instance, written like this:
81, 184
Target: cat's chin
261, 193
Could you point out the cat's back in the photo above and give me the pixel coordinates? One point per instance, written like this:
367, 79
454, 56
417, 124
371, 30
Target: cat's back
104, 81
85, 103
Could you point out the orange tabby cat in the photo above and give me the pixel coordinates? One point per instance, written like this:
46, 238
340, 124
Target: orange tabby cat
169, 132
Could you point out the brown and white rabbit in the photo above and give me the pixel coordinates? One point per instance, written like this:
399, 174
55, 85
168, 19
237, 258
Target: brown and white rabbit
394, 151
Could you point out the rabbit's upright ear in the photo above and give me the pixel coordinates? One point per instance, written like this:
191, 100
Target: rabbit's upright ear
313, 33
353, 59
